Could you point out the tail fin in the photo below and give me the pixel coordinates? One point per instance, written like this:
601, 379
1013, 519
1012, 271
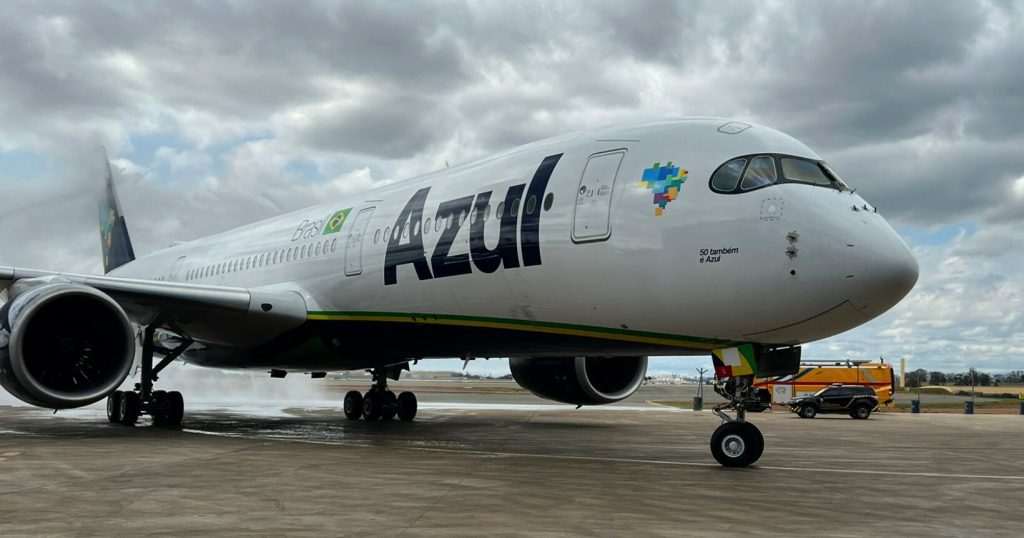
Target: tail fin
115, 243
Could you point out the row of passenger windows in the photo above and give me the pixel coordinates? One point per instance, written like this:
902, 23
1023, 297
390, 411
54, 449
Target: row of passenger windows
268, 259
447, 222
755, 171
325, 247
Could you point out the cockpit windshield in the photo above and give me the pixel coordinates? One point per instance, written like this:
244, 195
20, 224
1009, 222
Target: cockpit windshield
758, 171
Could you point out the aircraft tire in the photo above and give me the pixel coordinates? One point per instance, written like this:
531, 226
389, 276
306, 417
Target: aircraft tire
353, 405
130, 408
114, 407
756, 455
389, 407
372, 406
407, 406
159, 408
175, 408
737, 444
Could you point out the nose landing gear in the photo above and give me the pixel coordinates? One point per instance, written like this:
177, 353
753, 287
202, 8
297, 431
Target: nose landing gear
736, 443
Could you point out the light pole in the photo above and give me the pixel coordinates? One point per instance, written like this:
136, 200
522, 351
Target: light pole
698, 400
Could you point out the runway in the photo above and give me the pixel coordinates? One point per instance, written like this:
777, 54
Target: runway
474, 467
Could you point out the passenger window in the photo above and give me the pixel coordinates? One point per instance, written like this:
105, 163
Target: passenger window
318, 249
761, 172
727, 178
500, 211
426, 226
804, 171
334, 244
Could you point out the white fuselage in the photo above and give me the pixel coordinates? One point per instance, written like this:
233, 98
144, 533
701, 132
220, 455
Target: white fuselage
783, 264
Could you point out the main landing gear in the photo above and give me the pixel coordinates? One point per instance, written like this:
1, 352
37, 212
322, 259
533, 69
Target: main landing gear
166, 408
380, 403
736, 443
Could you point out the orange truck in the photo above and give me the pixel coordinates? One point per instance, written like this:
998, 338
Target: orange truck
814, 376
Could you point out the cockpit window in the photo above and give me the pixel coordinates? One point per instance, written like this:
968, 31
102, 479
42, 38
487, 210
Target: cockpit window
761, 172
835, 177
727, 178
804, 171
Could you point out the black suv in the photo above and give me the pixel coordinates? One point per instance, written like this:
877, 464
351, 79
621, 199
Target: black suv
857, 401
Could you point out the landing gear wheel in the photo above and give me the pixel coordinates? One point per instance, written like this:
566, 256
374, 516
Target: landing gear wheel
861, 412
390, 406
114, 407
372, 405
175, 408
131, 406
407, 406
808, 411
353, 405
737, 444
760, 441
158, 407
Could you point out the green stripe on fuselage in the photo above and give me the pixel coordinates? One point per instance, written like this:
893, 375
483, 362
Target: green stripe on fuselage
528, 326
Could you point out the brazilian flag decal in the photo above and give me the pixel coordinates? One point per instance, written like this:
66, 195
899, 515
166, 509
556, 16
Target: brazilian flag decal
336, 221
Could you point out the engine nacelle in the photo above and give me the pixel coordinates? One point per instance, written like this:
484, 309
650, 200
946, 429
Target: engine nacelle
64, 345
580, 380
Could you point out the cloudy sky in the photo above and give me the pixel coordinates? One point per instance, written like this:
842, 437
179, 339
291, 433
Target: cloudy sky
218, 114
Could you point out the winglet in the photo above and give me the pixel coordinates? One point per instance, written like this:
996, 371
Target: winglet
115, 243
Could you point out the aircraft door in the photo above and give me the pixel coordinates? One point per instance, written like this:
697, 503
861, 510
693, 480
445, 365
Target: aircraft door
354, 243
591, 218
176, 268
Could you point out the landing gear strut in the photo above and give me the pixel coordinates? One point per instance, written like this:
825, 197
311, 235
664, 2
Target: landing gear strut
736, 443
379, 403
166, 408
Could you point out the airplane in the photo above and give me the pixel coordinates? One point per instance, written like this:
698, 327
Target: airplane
577, 257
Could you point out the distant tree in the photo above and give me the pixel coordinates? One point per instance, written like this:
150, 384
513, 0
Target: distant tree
937, 378
983, 379
917, 377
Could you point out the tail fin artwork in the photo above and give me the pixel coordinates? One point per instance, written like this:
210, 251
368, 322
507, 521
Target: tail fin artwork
115, 243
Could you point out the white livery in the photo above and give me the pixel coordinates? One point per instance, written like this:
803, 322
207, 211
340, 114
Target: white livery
576, 256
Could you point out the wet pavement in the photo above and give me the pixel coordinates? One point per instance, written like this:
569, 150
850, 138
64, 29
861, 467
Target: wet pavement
477, 466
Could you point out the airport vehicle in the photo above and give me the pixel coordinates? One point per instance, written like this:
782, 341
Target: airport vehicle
577, 257
854, 400
816, 375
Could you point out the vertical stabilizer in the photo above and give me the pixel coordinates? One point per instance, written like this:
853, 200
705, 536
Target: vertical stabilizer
115, 243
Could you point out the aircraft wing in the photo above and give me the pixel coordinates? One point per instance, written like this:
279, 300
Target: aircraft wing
211, 314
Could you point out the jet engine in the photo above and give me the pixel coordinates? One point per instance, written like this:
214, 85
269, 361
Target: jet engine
580, 380
64, 345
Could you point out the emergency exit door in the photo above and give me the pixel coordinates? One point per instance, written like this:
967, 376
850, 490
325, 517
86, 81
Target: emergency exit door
354, 243
591, 218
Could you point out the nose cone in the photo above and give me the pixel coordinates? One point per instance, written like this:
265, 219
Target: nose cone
888, 271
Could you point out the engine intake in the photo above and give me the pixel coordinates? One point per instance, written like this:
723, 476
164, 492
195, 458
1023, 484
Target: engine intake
580, 380
64, 345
